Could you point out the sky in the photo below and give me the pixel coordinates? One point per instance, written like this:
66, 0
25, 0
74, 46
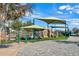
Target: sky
64, 11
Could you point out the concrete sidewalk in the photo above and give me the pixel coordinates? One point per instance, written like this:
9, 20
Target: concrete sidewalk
73, 38
12, 50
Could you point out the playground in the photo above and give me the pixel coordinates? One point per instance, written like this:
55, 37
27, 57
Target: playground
20, 44
25, 33
36, 38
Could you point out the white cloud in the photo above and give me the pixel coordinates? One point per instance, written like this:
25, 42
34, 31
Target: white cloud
72, 22
76, 11
62, 7
27, 13
67, 7
36, 16
75, 23
71, 9
59, 12
70, 12
76, 6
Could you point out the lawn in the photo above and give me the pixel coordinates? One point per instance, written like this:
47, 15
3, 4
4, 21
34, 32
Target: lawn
7, 42
43, 39
35, 40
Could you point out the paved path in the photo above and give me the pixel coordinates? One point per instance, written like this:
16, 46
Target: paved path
73, 38
10, 50
50, 48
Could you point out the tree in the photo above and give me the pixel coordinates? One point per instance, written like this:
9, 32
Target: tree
16, 25
12, 11
75, 30
28, 23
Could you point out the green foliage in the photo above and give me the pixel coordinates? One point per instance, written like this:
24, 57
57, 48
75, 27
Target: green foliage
16, 25
7, 42
14, 11
75, 30
28, 23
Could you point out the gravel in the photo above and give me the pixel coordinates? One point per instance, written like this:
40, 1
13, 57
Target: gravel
50, 48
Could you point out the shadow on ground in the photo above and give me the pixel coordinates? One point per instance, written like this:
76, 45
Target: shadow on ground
4, 46
68, 42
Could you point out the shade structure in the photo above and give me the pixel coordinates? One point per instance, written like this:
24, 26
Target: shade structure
53, 20
58, 27
35, 27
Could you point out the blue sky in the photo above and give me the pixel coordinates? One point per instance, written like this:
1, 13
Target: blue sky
64, 11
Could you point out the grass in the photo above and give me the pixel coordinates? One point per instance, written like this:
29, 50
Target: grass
61, 38
35, 40
44, 39
6, 42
